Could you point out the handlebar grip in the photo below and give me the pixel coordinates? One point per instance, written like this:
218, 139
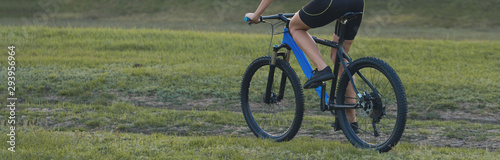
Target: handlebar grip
247, 19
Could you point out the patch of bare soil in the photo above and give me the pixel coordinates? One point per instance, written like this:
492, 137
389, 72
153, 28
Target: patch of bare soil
213, 104
461, 115
466, 111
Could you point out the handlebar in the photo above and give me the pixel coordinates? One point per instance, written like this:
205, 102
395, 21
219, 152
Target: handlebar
280, 16
284, 17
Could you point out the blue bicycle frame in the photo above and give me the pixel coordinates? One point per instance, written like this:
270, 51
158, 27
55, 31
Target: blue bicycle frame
301, 58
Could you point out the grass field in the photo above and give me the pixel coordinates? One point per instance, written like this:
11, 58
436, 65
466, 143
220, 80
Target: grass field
116, 145
445, 19
100, 62
131, 92
160, 79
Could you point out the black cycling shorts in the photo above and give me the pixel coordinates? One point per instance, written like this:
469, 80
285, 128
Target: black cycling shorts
318, 13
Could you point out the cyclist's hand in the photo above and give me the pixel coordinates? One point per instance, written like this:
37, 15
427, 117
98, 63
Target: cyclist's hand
254, 18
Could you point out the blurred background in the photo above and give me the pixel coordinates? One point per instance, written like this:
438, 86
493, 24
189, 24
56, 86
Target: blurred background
428, 19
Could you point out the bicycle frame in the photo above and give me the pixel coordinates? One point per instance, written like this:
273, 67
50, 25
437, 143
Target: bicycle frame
301, 57
289, 43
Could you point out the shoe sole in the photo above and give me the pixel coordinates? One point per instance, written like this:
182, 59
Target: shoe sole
317, 83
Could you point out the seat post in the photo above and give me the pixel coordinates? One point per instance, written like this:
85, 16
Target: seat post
341, 31
342, 22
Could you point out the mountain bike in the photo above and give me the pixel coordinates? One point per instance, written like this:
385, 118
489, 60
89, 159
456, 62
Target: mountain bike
272, 98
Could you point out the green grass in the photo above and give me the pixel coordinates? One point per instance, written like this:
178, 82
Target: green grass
128, 118
68, 131
104, 92
97, 65
36, 143
447, 19
446, 13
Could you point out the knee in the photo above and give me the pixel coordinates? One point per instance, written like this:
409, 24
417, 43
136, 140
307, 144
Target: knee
294, 26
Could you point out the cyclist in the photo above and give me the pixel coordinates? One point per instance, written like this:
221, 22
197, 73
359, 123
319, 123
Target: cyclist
318, 13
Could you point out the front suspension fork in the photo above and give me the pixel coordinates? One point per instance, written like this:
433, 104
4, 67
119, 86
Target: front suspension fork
270, 78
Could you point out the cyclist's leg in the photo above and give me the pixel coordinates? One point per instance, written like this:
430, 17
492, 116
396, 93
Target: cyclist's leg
299, 29
315, 14
351, 113
350, 32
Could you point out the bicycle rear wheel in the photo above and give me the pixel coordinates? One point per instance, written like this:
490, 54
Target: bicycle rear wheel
279, 118
382, 116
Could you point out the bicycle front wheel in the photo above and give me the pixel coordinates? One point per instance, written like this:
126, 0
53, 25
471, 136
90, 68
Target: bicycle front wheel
381, 116
278, 114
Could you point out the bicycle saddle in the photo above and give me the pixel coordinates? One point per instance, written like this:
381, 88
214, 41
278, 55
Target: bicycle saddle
348, 16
